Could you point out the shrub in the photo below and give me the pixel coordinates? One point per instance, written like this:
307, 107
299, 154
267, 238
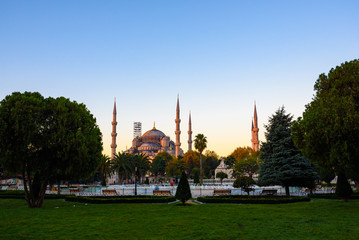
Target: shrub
120, 199
183, 192
252, 199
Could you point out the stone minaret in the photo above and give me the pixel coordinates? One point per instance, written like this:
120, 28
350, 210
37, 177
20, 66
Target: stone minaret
178, 132
189, 133
255, 129
114, 134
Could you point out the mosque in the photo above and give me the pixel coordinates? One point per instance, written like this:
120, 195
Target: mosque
154, 141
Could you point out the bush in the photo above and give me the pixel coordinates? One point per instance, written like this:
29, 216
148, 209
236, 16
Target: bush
183, 192
120, 199
252, 199
331, 196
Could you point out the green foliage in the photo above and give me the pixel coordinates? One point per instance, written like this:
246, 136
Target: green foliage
120, 199
57, 138
252, 199
241, 153
183, 192
158, 165
283, 163
230, 161
331, 196
200, 143
326, 175
248, 165
328, 133
221, 175
244, 182
123, 164
175, 167
195, 173
343, 188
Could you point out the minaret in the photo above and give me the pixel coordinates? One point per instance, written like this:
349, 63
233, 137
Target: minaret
178, 132
255, 129
189, 133
114, 134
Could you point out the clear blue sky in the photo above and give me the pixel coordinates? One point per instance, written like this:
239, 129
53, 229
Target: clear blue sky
219, 56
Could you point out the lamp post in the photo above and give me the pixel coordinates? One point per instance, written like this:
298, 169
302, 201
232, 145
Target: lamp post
135, 181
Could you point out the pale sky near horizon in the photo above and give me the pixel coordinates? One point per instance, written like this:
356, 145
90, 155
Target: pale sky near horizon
219, 56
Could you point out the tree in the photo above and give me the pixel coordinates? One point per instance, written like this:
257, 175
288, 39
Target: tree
191, 160
230, 161
142, 162
245, 183
195, 172
241, 153
328, 132
283, 164
104, 168
46, 139
249, 166
122, 164
175, 167
221, 176
326, 175
200, 143
158, 165
183, 192
211, 163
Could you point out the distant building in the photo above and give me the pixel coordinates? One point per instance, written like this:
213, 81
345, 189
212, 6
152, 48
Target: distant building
137, 129
222, 167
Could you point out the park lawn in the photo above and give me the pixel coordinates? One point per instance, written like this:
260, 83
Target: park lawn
318, 219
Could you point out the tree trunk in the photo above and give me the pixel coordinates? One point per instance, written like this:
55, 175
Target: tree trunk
287, 191
58, 187
200, 169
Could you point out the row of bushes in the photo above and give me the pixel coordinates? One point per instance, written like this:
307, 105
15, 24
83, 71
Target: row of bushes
252, 199
20, 194
120, 199
355, 195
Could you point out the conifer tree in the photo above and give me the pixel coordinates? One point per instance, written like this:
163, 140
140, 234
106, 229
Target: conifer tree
283, 164
183, 192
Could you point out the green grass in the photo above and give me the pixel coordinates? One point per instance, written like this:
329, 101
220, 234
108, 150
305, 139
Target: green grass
318, 219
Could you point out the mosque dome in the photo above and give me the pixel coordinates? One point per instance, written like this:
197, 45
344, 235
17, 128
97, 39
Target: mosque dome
154, 133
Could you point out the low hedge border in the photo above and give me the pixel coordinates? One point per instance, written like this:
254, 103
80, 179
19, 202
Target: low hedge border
253, 199
331, 196
20, 194
120, 199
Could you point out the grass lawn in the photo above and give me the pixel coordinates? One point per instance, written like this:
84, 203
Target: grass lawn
318, 219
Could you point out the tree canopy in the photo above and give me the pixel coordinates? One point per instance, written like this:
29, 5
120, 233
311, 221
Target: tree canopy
46, 138
283, 164
328, 132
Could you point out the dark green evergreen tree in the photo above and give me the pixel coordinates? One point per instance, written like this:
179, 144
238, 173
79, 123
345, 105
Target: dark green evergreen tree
283, 164
183, 192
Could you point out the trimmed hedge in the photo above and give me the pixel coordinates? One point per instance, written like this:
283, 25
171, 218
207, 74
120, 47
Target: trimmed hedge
252, 199
120, 199
20, 194
331, 196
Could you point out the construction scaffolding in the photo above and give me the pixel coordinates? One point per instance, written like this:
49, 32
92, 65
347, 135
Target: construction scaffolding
137, 129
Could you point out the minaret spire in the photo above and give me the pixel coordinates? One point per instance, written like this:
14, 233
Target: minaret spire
190, 133
114, 134
178, 131
255, 129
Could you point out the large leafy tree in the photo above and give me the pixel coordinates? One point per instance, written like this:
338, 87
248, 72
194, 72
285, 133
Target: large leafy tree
283, 164
248, 166
211, 163
200, 143
175, 167
159, 163
328, 132
48, 138
191, 160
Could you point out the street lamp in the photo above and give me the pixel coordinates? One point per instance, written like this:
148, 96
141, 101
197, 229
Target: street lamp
135, 181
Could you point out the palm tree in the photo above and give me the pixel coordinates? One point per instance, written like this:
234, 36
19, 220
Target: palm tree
200, 143
122, 165
143, 164
105, 168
